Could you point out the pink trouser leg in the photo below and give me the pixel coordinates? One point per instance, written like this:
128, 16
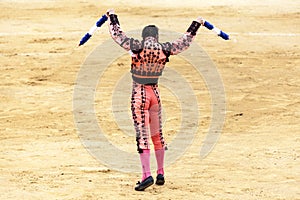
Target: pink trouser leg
156, 131
145, 161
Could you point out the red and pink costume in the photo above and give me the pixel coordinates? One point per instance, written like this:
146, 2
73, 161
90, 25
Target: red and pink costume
148, 61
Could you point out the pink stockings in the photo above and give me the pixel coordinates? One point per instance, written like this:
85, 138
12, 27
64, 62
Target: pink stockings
160, 155
145, 161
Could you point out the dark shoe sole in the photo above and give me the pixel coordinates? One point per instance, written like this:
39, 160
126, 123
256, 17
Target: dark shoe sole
144, 184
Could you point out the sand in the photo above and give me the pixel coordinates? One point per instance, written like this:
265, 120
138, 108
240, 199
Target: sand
257, 155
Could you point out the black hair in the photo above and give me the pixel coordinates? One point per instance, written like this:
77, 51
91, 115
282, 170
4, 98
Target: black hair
150, 30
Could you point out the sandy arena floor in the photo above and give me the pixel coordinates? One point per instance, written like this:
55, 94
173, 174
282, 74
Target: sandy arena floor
257, 155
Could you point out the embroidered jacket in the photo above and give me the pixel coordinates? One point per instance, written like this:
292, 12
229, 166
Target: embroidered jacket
149, 56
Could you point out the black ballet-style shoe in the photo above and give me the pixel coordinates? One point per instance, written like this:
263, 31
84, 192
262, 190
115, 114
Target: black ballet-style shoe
160, 179
141, 186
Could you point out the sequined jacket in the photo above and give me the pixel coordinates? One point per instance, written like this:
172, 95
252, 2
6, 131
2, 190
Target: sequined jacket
149, 57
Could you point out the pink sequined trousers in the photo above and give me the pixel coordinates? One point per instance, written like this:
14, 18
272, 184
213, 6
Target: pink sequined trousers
147, 115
